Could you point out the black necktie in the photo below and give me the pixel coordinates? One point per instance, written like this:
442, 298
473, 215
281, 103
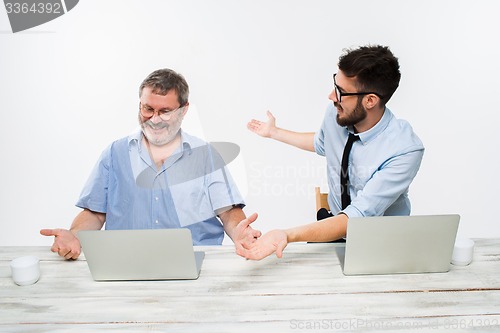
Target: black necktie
344, 176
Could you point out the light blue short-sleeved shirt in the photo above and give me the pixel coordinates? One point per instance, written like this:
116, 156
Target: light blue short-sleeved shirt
382, 164
189, 190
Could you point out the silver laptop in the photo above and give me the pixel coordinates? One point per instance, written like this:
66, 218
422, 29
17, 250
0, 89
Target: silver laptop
159, 254
399, 244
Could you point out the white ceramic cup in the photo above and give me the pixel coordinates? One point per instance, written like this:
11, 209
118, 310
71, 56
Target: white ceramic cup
25, 270
462, 252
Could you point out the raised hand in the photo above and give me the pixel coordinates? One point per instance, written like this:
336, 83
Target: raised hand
264, 129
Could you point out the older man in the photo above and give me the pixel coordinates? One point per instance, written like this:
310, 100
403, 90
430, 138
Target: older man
160, 177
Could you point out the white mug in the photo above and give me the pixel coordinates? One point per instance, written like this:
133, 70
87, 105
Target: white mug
25, 270
463, 252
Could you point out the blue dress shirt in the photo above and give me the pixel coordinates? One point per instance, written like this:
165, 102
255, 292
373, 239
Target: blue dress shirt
382, 164
189, 190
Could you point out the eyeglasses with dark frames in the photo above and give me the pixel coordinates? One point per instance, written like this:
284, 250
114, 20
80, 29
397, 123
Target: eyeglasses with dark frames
339, 93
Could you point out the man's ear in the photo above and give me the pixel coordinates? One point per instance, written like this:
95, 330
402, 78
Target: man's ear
371, 101
185, 110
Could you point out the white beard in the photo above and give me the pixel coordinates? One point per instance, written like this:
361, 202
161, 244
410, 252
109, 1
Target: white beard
161, 133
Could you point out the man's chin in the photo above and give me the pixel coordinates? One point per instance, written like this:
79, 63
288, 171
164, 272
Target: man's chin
159, 140
340, 121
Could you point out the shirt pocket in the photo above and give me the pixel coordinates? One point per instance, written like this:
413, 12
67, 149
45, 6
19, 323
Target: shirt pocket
192, 202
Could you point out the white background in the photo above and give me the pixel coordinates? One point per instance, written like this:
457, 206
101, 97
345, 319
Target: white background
69, 87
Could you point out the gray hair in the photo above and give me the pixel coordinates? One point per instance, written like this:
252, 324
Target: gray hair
162, 81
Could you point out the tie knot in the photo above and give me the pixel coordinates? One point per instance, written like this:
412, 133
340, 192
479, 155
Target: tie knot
353, 137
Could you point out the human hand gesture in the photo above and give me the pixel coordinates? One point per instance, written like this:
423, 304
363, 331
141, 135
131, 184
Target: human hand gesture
271, 242
244, 235
264, 129
66, 244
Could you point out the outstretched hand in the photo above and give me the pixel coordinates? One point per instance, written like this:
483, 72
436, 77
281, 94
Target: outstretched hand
66, 244
271, 242
244, 234
264, 129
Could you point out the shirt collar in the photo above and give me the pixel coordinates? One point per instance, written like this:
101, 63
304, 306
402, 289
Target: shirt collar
373, 132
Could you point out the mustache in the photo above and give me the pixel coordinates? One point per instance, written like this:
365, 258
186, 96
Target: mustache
154, 126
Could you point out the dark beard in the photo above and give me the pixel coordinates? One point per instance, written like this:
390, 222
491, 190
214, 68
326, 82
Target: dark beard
357, 115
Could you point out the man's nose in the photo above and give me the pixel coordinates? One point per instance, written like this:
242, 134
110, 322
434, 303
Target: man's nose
333, 96
155, 119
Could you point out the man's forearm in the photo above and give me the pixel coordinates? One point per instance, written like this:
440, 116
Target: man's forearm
326, 230
300, 140
230, 220
87, 220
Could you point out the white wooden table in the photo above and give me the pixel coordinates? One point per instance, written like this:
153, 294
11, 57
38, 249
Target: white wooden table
305, 291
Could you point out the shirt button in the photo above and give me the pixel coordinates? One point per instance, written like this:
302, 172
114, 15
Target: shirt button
156, 198
156, 221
